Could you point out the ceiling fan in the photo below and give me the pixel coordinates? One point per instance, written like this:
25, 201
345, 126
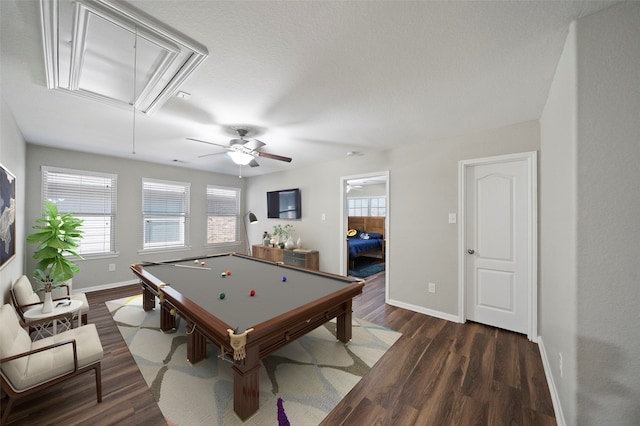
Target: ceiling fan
242, 151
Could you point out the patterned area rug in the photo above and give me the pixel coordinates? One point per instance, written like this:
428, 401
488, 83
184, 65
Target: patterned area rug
366, 266
310, 375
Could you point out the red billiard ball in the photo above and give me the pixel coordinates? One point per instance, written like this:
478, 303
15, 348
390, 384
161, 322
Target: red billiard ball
228, 271
252, 293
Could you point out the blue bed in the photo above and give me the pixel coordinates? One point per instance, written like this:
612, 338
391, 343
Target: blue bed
358, 246
365, 237
365, 244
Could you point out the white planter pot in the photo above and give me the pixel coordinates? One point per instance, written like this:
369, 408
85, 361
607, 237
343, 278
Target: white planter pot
47, 306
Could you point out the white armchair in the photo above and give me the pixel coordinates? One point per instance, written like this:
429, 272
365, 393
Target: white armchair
23, 297
27, 367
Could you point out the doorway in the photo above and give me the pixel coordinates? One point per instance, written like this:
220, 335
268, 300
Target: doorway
498, 242
365, 205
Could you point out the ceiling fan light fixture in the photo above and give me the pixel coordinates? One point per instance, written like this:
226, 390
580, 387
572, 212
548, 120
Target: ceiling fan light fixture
240, 158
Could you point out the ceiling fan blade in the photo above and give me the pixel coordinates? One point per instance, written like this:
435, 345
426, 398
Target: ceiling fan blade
273, 156
209, 143
254, 144
254, 163
208, 155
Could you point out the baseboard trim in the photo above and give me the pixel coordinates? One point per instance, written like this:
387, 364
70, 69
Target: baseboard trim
423, 310
104, 286
555, 399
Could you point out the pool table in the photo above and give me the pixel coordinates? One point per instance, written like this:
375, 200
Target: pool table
288, 302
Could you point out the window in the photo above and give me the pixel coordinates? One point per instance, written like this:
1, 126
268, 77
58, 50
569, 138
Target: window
165, 211
90, 196
367, 206
223, 213
378, 207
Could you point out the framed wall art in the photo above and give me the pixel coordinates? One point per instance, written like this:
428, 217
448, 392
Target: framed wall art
7, 216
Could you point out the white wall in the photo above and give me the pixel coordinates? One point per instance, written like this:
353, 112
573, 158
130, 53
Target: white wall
95, 272
558, 183
608, 231
590, 240
423, 190
12, 157
321, 191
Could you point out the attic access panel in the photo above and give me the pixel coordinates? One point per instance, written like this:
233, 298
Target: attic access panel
92, 47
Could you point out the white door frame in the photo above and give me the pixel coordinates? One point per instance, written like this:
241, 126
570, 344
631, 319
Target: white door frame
343, 224
532, 229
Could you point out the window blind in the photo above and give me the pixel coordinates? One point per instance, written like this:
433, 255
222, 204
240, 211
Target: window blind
165, 210
90, 196
223, 212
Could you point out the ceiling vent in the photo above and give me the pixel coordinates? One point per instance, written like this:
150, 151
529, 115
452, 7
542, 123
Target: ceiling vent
92, 48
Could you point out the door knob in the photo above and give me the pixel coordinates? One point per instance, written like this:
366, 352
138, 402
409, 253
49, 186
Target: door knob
471, 251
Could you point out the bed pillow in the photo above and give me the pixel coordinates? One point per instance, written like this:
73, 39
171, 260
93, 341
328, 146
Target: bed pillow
375, 236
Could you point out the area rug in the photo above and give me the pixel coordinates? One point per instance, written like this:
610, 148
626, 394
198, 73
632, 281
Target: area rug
307, 378
366, 266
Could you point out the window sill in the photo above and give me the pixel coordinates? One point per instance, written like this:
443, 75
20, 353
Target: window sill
163, 250
96, 256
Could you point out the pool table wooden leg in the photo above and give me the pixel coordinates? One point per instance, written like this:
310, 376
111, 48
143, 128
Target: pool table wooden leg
196, 344
343, 323
167, 321
246, 385
148, 299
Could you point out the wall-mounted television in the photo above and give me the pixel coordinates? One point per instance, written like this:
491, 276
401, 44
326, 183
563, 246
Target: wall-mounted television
284, 204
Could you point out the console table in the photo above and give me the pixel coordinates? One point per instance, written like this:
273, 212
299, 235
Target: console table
298, 257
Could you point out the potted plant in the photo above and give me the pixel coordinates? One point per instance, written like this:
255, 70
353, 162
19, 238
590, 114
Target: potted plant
284, 233
58, 236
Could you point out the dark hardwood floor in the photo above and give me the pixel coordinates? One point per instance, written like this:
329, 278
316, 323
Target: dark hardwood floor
126, 399
444, 373
437, 373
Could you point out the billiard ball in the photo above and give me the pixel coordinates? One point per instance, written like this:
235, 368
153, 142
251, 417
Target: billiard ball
228, 271
284, 279
222, 295
202, 263
224, 274
196, 261
252, 293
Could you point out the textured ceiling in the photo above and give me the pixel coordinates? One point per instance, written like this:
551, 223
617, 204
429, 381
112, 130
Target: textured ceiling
315, 79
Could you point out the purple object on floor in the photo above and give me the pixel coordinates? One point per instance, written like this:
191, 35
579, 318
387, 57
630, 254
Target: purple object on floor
282, 417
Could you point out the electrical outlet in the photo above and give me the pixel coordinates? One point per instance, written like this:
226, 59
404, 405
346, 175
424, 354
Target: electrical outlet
112, 267
560, 358
432, 287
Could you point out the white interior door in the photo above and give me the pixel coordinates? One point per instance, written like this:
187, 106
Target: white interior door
499, 212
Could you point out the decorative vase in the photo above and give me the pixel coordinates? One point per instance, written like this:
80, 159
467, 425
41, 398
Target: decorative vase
47, 306
266, 241
289, 244
299, 243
